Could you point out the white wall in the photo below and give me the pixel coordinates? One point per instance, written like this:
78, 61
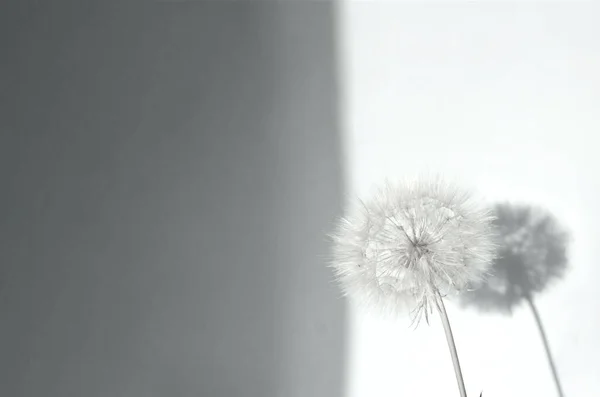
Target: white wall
504, 98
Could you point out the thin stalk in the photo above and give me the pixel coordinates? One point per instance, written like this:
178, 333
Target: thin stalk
451, 344
538, 321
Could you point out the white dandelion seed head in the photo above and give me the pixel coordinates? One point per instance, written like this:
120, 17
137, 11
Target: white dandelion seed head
411, 241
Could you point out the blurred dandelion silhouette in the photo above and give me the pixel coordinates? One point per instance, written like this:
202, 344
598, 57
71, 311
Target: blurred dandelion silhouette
411, 245
532, 255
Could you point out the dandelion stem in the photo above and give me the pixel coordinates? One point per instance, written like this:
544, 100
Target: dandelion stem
451, 344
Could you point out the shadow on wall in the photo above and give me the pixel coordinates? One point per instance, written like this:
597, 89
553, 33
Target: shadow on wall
169, 171
532, 255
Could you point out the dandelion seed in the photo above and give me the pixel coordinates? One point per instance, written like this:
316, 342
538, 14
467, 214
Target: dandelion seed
410, 241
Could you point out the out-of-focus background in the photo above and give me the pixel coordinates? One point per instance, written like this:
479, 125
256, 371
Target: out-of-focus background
170, 170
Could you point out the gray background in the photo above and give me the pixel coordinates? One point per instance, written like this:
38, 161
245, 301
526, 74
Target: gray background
168, 174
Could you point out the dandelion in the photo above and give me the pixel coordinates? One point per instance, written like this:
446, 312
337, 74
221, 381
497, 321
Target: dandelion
411, 245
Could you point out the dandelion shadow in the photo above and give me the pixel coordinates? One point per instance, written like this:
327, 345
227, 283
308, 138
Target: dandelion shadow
532, 255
